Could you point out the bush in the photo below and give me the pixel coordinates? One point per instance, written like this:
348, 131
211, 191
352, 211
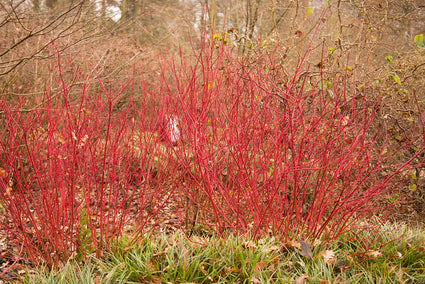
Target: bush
262, 157
252, 155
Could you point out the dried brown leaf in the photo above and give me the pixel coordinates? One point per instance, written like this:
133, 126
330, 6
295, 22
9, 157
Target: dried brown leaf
272, 249
275, 259
373, 253
232, 270
259, 266
292, 244
8, 190
3, 173
249, 244
301, 279
328, 256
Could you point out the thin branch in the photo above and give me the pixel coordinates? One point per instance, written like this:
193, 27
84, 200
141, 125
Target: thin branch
45, 29
413, 72
8, 17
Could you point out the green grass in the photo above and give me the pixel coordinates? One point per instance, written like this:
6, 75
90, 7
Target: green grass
395, 254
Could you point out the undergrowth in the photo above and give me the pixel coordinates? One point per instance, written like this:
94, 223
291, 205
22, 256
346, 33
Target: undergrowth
177, 259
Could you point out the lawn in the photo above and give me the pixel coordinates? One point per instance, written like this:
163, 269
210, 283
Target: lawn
394, 254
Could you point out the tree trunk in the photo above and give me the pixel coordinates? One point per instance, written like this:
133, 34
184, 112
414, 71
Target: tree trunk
212, 15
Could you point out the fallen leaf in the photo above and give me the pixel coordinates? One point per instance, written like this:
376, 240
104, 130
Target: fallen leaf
8, 190
301, 279
255, 280
400, 273
3, 173
341, 265
373, 253
60, 139
323, 281
259, 266
305, 250
231, 270
83, 141
271, 249
292, 244
249, 244
275, 259
328, 256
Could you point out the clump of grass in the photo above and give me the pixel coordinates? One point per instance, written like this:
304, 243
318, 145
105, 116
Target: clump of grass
71, 272
395, 252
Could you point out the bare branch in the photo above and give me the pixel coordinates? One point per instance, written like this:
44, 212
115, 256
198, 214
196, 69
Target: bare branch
53, 25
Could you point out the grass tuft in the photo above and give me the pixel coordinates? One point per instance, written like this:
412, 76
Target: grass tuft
177, 259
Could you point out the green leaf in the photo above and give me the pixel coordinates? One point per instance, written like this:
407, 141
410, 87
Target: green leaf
413, 176
360, 87
412, 187
384, 151
419, 40
309, 11
395, 77
389, 59
347, 68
